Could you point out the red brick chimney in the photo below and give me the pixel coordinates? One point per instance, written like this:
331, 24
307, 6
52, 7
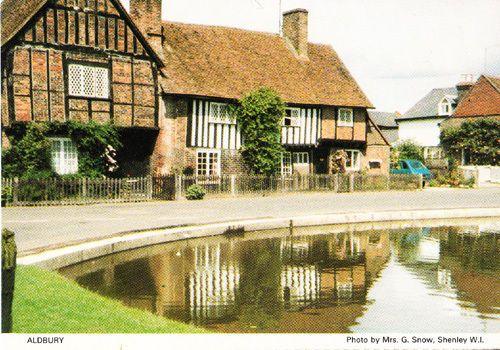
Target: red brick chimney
295, 27
147, 16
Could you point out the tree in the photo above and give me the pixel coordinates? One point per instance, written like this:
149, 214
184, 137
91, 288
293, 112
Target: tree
407, 150
479, 138
259, 115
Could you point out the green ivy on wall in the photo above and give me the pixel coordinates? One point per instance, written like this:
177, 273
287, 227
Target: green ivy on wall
479, 138
29, 155
259, 115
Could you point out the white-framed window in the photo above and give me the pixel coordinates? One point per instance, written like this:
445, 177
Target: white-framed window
346, 117
208, 163
300, 157
220, 114
292, 117
353, 161
88, 81
290, 159
64, 156
286, 164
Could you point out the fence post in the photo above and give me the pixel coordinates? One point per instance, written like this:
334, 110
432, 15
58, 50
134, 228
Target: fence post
233, 185
388, 182
336, 183
84, 188
420, 181
351, 182
15, 191
178, 187
149, 184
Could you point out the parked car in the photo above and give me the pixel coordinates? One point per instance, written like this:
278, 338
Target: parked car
413, 167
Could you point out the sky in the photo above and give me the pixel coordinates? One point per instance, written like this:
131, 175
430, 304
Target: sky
398, 50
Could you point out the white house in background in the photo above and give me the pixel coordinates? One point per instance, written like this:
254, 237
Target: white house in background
421, 123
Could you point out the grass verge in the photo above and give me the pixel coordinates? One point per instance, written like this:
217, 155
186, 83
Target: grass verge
46, 302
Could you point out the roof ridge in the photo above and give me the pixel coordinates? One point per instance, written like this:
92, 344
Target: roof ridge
488, 78
220, 27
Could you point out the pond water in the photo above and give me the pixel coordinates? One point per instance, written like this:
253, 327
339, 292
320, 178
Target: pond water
396, 278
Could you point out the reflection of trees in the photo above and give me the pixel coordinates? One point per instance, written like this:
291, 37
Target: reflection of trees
259, 294
472, 260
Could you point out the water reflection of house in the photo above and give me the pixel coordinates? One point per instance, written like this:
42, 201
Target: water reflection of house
331, 268
198, 283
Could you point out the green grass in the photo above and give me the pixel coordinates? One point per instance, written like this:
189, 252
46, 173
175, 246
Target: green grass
46, 302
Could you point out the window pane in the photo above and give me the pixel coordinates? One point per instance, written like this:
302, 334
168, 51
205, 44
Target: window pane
74, 79
88, 81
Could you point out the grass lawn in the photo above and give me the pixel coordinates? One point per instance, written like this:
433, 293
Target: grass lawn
46, 302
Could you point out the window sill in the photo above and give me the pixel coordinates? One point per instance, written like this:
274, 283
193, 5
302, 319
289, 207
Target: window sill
107, 99
346, 125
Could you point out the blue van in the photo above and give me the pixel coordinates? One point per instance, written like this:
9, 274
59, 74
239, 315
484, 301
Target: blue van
413, 167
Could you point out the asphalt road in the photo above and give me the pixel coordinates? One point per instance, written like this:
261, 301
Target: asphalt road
39, 227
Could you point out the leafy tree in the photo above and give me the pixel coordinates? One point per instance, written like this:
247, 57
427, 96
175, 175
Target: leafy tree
259, 115
407, 150
479, 138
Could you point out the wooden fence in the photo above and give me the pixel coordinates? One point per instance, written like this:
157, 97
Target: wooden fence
234, 185
57, 191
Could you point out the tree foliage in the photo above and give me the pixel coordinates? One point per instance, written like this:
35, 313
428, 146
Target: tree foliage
30, 153
407, 150
259, 115
479, 138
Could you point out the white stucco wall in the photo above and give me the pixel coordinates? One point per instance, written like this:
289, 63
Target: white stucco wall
425, 132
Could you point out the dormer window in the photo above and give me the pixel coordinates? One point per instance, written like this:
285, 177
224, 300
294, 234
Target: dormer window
447, 105
292, 117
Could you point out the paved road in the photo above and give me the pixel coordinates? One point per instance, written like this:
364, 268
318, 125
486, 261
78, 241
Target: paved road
38, 227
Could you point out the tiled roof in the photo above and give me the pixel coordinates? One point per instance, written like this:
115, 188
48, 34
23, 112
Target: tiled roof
15, 14
428, 105
384, 119
483, 99
228, 63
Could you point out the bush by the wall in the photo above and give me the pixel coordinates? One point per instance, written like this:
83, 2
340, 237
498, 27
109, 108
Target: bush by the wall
195, 192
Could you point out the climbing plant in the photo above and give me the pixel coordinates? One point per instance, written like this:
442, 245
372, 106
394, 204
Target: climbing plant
29, 155
479, 138
259, 115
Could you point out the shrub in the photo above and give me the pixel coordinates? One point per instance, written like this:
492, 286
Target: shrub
407, 150
259, 115
434, 183
195, 192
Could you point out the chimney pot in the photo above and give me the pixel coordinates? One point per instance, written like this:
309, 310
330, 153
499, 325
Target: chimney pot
295, 30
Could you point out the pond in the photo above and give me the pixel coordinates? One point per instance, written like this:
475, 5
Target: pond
398, 277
